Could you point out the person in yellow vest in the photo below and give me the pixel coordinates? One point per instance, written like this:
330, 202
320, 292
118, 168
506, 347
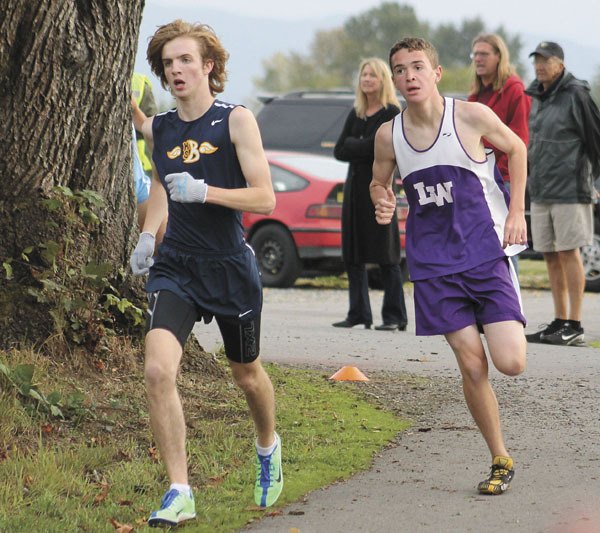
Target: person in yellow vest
141, 92
143, 106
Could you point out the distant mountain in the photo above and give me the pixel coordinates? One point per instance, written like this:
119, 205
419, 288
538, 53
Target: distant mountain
248, 40
251, 40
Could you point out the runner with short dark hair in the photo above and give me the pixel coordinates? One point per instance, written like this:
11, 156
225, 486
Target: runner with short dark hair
459, 231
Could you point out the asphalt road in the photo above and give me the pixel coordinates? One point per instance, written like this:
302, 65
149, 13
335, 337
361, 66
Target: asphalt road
426, 483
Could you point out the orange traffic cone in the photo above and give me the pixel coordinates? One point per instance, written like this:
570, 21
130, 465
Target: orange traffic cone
349, 373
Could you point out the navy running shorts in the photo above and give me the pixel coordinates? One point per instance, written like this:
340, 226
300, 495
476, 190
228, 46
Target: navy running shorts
241, 337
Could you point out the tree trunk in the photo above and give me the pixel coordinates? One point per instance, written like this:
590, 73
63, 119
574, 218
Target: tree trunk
65, 71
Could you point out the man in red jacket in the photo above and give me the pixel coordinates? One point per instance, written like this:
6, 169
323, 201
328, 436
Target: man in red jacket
497, 85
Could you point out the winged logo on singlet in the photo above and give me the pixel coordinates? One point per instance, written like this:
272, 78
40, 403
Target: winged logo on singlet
175, 153
191, 151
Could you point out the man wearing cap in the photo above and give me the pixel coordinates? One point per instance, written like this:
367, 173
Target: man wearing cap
564, 157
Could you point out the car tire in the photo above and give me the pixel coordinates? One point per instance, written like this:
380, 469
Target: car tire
277, 256
590, 256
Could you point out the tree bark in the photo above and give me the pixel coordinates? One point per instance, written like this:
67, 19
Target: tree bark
65, 71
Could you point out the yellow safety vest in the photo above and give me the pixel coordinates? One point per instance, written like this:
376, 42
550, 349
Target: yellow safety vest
138, 84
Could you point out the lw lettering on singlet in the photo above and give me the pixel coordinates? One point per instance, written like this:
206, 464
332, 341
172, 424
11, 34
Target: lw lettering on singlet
437, 195
190, 151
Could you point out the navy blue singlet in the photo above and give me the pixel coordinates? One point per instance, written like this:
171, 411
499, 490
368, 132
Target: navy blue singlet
204, 258
203, 148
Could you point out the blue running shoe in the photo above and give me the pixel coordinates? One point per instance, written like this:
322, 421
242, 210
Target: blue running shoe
269, 477
175, 507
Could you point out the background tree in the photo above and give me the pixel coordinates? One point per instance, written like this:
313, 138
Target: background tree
596, 87
514, 44
335, 54
65, 70
454, 44
373, 32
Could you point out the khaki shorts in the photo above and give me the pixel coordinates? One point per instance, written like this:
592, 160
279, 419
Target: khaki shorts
560, 227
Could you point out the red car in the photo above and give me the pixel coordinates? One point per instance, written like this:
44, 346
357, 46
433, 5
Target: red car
304, 230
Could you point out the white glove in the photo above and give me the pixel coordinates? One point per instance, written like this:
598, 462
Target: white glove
141, 258
183, 187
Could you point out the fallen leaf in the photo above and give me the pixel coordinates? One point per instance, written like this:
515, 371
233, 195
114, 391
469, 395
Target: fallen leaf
103, 494
296, 513
47, 428
153, 453
122, 456
215, 480
120, 528
274, 513
253, 508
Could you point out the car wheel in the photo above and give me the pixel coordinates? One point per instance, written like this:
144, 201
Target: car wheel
591, 265
277, 256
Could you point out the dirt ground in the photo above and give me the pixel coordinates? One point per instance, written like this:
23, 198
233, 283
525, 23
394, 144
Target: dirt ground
426, 481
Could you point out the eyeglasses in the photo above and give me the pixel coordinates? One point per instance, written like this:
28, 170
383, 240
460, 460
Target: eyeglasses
473, 55
541, 60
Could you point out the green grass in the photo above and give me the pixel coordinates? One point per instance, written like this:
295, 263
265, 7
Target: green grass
82, 479
322, 282
532, 275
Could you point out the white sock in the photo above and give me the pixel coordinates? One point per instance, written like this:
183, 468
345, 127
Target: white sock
181, 487
266, 451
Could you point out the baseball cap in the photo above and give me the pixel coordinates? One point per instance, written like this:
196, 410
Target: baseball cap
549, 49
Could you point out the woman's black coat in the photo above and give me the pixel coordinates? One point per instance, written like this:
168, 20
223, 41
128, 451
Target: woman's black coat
363, 240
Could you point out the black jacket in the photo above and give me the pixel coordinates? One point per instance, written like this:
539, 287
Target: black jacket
363, 239
564, 142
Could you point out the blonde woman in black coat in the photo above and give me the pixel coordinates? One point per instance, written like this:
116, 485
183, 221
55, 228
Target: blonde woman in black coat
363, 240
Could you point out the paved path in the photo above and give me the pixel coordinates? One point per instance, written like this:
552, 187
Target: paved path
551, 420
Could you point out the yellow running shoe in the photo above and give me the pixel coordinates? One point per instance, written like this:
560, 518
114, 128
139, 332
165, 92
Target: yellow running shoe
500, 476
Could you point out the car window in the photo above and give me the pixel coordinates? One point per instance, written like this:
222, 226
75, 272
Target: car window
311, 126
307, 123
320, 167
285, 181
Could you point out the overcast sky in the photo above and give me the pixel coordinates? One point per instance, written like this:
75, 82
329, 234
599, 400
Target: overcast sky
572, 23
577, 20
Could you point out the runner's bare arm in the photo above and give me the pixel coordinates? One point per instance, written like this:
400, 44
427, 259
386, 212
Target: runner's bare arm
382, 195
137, 115
258, 197
502, 137
157, 209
